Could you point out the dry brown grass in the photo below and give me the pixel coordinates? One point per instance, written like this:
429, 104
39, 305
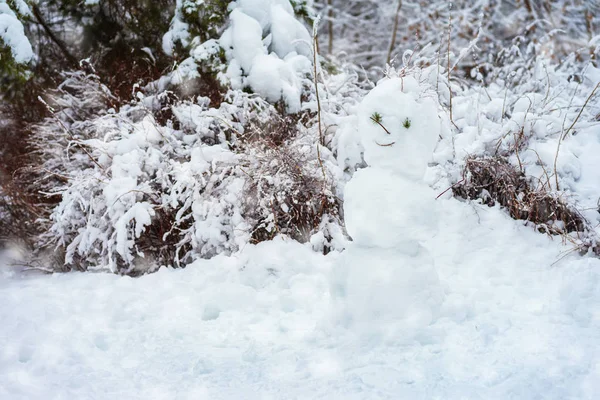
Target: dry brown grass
495, 181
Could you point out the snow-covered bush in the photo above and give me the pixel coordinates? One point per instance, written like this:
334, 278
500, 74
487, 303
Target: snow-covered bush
529, 114
264, 48
229, 176
14, 45
494, 179
15, 49
164, 180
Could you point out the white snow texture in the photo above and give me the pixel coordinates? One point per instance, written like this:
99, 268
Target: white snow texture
12, 32
268, 50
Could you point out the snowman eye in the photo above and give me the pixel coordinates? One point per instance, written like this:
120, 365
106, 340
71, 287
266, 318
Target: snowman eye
376, 117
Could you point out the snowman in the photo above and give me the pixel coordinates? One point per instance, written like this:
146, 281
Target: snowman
386, 282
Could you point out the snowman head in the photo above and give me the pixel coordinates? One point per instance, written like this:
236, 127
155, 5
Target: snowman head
399, 127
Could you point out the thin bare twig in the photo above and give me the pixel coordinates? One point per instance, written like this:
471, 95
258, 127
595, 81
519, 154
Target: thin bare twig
381, 125
330, 26
563, 136
316, 83
448, 72
59, 43
394, 32
581, 111
457, 183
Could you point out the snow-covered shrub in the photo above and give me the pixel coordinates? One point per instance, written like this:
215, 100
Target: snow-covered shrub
229, 176
204, 160
493, 179
263, 49
294, 192
245, 138
44, 162
527, 113
73, 107
14, 45
16, 52
197, 20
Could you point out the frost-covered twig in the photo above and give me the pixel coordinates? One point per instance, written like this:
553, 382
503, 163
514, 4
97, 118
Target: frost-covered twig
316, 83
563, 136
394, 32
581, 110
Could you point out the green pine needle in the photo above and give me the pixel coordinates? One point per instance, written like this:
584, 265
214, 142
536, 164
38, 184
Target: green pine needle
376, 118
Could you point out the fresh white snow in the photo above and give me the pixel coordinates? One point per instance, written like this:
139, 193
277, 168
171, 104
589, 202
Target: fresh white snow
514, 324
268, 50
12, 32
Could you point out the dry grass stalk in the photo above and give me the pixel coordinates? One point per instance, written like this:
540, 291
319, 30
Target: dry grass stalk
495, 181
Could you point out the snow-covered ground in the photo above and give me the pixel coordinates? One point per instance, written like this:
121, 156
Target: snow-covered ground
514, 324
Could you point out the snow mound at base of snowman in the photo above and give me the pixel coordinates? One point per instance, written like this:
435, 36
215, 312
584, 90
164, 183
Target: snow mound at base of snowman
387, 293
